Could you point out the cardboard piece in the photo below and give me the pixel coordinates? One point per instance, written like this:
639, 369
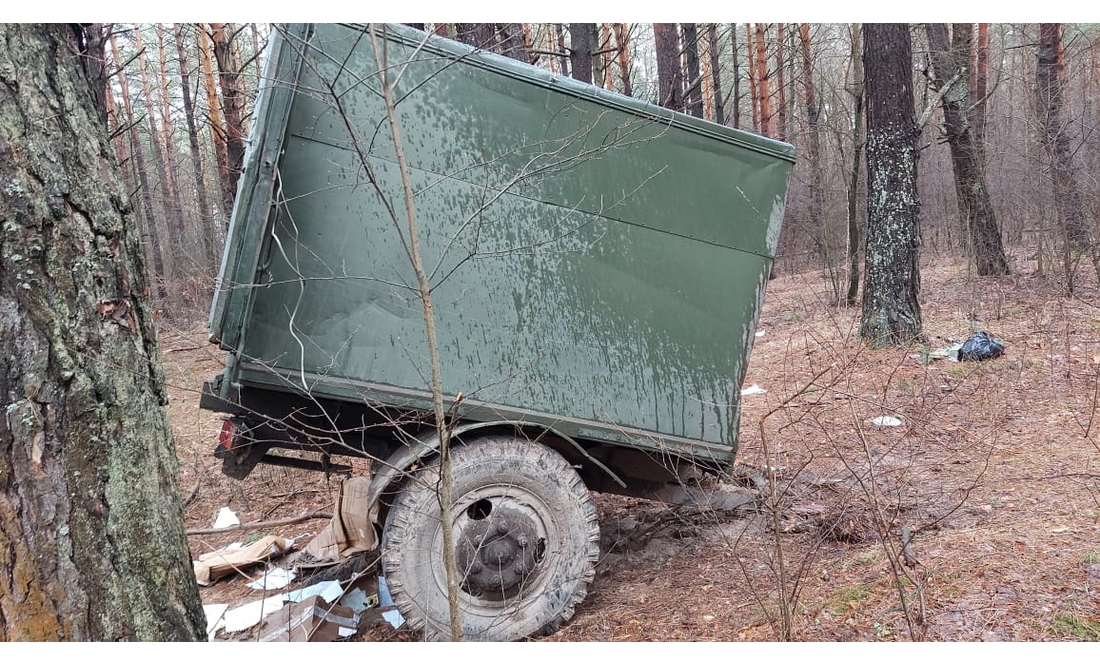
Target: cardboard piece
214, 565
349, 532
312, 620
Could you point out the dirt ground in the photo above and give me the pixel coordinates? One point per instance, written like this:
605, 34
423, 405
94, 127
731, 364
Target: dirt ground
978, 518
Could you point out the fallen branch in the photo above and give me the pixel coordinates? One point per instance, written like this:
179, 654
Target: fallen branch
305, 517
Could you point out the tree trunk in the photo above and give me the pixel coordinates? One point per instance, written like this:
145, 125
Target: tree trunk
175, 215
580, 51
599, 57
214, 113
975, 208
478, 35
138, 157
164, 227
736, 80
563, 60
233, 104
693, 98
780, 83
813, 149
622, 38
716, 79
670, 75
891, 310
750, 56
762, 83
977, 97
206, 219
92, 544
854, 240
1056, 140
512, 42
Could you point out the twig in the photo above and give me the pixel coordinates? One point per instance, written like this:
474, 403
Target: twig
305, 517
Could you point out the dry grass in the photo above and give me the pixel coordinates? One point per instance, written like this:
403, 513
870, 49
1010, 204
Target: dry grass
994, 472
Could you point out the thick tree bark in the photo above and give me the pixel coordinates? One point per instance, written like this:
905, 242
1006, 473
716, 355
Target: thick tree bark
478, 35
949, 64
511, 41
693, 98
92, 543
205, 225
580, 51
891, 309
233, 104
670, 75
856, 90
715, 76
750, 56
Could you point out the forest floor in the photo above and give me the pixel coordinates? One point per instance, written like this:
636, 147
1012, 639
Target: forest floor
993, 474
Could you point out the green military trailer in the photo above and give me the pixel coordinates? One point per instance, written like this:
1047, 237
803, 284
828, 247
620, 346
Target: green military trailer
597, 265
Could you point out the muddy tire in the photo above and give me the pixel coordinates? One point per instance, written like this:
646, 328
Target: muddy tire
526, 542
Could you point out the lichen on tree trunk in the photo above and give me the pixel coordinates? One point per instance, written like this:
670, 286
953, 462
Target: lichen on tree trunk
92, 543
891, 310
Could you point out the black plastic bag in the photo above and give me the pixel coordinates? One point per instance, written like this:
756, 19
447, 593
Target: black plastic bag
980, 346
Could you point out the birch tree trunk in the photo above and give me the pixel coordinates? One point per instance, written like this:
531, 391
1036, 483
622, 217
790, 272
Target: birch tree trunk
92, 543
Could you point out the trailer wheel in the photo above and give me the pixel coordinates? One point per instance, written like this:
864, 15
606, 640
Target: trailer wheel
526, 542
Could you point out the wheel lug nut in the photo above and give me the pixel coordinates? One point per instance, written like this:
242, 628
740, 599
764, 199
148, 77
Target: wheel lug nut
502, 529
476, 567
521, 541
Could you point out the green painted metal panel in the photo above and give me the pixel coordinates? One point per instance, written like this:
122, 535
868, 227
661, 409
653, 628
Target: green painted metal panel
596, 261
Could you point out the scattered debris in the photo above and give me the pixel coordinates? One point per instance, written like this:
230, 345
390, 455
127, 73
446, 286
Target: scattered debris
330, 591
349, 532
759, 333
250, 614
980, 346
886, 421
386, 600
272, 579
215, 618
312, 620
225, 518
228, 560
753, 390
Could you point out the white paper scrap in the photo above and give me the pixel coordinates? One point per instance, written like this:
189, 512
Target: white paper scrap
246, 616
273, 578
226, 517
215, 618
753, 390
329, 591
886, 421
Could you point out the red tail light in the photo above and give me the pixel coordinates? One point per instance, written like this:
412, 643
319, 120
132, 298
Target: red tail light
227, 438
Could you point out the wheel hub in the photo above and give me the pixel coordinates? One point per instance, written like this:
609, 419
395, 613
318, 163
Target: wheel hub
498, 553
